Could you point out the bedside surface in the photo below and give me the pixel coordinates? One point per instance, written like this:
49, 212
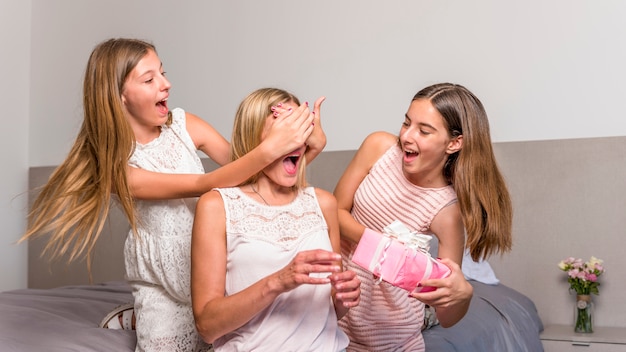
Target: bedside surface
603, 334
562, 338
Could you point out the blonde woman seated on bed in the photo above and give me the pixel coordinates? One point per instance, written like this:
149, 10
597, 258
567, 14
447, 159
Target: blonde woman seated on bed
266, 270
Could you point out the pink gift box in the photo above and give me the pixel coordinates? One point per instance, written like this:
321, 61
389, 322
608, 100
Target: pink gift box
398, 260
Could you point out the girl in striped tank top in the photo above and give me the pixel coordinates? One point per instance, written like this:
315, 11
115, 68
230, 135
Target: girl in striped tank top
438, 176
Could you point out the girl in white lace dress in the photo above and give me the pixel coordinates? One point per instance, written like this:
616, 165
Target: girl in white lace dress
132, 147
266, 269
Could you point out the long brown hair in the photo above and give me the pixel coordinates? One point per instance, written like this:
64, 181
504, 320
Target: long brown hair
73, 205
483, 197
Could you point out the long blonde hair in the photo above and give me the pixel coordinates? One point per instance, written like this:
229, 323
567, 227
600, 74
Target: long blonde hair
483, 197
250, 120
73, 205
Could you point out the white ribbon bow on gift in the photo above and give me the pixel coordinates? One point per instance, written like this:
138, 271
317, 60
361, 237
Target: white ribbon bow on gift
411, 239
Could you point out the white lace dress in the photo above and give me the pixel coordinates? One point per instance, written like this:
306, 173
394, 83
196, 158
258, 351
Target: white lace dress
158, 261
261, 240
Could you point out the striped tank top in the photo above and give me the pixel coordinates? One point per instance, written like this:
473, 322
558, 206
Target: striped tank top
387, 319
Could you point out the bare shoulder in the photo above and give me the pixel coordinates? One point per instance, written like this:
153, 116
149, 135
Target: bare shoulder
207, 139
192, 117
194, 121
448, 217
327, 200
379, 140
210, 202
372, 148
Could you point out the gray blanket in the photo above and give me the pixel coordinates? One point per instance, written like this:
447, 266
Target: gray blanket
63, 319
499, 319
66, 319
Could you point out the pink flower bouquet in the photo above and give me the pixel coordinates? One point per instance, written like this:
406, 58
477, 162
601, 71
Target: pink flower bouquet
583, 276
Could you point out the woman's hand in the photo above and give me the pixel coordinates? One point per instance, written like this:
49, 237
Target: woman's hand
308, 267
290, 129
317, 139
452, 296
346, 290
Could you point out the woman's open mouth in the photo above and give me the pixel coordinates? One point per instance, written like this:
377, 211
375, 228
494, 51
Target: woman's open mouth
290, 164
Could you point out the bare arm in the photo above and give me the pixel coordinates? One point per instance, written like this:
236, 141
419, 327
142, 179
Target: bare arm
208, 139
346, 291
294, 129
317, 139
372, 148
452, 298
216, 314
447, 225
155, 185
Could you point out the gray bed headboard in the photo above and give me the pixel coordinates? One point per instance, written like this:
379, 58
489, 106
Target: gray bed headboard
108, 262
569, 199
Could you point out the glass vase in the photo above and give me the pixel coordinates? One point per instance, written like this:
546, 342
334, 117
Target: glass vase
583, 314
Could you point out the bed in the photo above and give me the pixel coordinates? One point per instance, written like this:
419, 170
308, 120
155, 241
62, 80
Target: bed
60, 310
66, 319
63, 319
499, 319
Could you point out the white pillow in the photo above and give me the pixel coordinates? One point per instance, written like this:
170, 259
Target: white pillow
479, 271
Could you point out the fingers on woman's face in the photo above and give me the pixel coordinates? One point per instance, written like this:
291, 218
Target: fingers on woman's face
283, 109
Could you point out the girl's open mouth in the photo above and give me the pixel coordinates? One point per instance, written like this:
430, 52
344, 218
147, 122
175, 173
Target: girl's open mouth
162, 106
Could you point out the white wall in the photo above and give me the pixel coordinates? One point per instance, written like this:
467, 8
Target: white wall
543, 74
14, 86
544, 70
